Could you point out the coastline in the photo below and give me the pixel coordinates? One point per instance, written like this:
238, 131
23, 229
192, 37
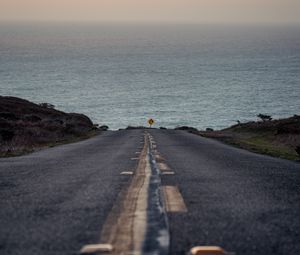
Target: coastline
26, 127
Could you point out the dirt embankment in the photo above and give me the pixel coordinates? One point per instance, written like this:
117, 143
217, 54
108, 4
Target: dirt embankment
279, 138
26, 126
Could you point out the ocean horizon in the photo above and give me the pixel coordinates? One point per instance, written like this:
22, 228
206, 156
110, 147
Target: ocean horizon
119, 75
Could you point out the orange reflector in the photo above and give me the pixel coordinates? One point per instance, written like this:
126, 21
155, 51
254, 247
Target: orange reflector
207, 250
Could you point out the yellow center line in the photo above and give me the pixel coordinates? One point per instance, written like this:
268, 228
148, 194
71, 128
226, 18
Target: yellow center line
125, 227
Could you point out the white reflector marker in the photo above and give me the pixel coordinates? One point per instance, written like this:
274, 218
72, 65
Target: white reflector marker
207, 250
93, 248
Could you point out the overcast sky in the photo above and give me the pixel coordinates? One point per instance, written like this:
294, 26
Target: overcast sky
170, 11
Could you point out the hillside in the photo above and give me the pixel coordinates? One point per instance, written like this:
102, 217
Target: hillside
279, 138
26, 126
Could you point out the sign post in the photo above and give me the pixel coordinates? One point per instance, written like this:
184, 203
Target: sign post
151, 122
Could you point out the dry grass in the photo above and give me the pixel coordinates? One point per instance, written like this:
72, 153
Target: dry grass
26, 127
278, 138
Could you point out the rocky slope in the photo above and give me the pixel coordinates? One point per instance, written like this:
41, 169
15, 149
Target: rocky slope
25, 126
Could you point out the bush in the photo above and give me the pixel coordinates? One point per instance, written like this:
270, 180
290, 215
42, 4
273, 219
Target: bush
288, 129
8, 116
6, 135
32, 118
47, 105
186, 128
104, 128
298, 150
264, 117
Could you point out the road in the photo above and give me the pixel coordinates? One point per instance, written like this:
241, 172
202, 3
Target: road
244, 202
57, 200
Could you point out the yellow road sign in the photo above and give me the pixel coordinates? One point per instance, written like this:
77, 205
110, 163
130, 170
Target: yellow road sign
151, 122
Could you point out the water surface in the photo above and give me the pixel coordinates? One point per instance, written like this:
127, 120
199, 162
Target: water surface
119, 75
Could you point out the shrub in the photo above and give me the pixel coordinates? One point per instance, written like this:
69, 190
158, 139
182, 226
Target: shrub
8, 116
298, 150
264, 117
104, 127
32, 118
186, 128
6, 134
47, 105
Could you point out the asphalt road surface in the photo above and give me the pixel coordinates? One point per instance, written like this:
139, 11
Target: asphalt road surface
244, 202
56, 200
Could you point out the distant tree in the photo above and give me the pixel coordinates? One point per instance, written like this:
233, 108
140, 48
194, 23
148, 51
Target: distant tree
47, 105
238, 122
104, 127
264, 117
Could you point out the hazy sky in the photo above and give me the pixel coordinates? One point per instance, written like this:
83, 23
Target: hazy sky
191, 11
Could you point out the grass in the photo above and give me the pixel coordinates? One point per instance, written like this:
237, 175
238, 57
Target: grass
264, 144
75, 139
278, 138
31, 149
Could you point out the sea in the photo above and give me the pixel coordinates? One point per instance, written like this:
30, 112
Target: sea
205, 76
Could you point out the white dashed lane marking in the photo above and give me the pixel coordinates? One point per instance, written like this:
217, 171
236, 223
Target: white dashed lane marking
95, 248
173, 199
127, 173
